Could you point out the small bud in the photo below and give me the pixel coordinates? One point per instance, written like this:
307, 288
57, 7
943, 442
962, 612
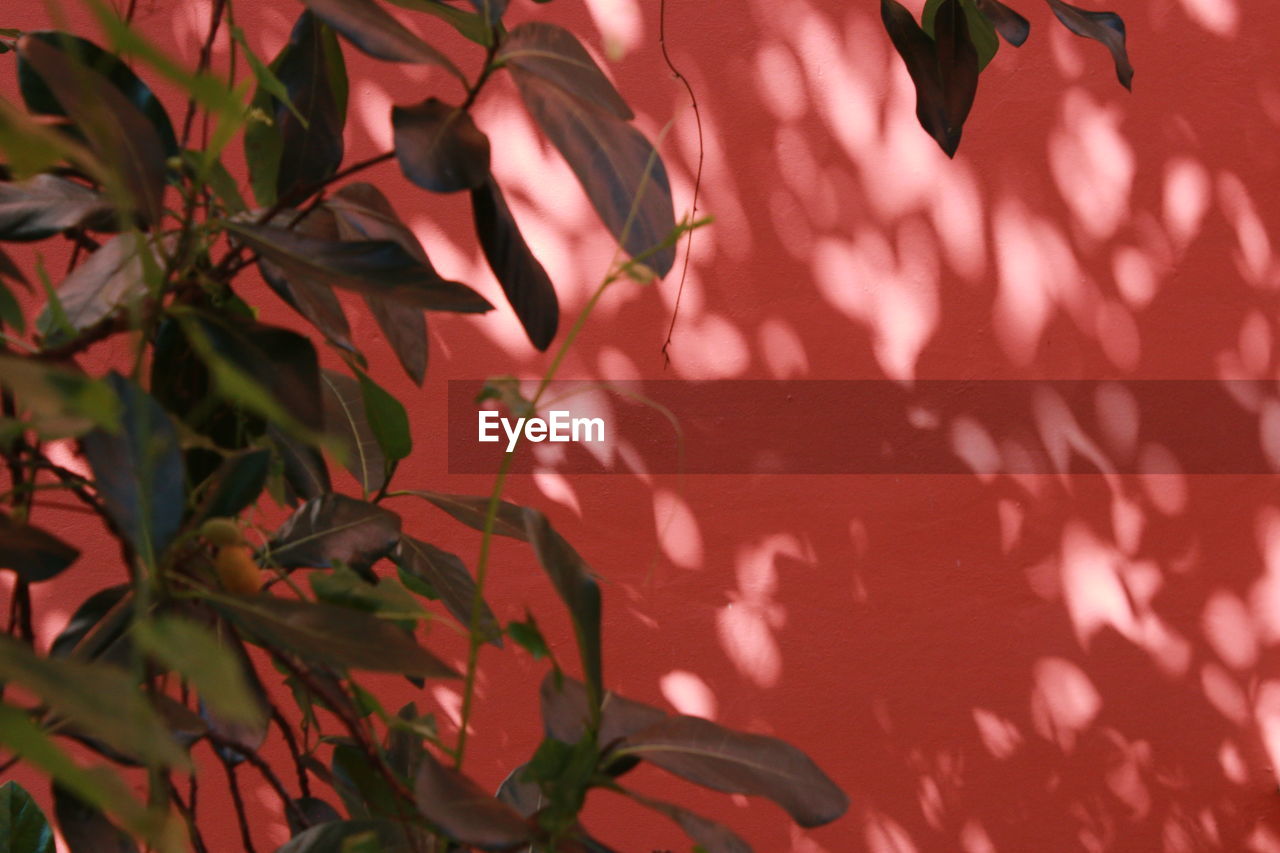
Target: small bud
221, 531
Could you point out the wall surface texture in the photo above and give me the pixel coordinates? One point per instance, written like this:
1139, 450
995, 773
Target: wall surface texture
983, 661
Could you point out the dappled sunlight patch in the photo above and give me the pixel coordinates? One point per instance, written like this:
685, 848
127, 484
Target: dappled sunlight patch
998, 734
372, 104
1064, 701
782, 349
1185, 199
1219, 17
1134, 276
1266, 712
974, 838
1228, 628
620, 24
1092, 164
556, 488
779, 82
1222, 692
677, 530
710, 347
1252, 255
688, 694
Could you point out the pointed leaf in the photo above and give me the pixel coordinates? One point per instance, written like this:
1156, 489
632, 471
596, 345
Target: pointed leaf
335, 528
334, 636
380, 267
522, 277
450, 580
707, 834
620, 171
1011, 26
387, 419
465, 811
363, 213
470, 25
945, 72
86, 829
565, 712
41, 101
957, 62
471, 511
31, 552
555, 54
117, 131
195, 653
310, 297
740, 763
370, 28
237, 484
105, 614
439, 147
99, 700
490, 10
113, 277
982, 32
46, 205
23, 827
140, 471
305, 474
573, 580
1104, 27
346, 420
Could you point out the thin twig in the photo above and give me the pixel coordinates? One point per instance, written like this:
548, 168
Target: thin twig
206, 56
234, 784
188, 815
262, 767
304, 781
697, 181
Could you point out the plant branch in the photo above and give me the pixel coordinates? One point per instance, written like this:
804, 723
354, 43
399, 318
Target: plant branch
238, 800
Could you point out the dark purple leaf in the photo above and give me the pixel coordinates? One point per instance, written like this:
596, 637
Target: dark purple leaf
710, 836
449, 578
84, 828
372, 29
740, 763
31, 552
310, 151
305, 474
1104, 27
565, 712
577, 587
555, 54
346, 420
111, 278
46, 205
465, 811
309, 297
472, 509
333, 528
620, 171
439, 147
1011, 26
523, 280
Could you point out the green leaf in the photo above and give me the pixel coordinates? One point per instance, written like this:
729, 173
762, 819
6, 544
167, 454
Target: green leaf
528, 637
31, 552
335, 529
23, 827
448, 578
335, 837
139, 472
60, 401
112, 278
346, 420
222, 183
101, 701
387, 419
524, 281
386, 597
333, 636
268, 82
491, 10
363, 213
118, 132
740, 763
981, 31
237, 484
439, 147
370, 28
622, 174
379, 267
577, 588
1106, 28
46, 205
555, 54
465, 811
10, 310
471, 511
195, 653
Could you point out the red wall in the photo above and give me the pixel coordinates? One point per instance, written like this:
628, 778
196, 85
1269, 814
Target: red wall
1033, 663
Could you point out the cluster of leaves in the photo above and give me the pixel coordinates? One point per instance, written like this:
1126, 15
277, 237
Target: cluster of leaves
222, 412
955, 40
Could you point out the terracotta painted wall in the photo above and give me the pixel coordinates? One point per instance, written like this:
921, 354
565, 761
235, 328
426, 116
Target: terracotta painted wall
994, 663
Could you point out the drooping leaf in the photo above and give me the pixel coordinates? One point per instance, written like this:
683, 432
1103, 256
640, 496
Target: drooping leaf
359, 836
117, 131
23, 827
372, 29
365, 792
1106, 28
529, 637
196, 653
139, 471
237, 484
471, 511
312, 298
335, 528
566, 711
100, 700
439, 147
59, 401
113, 277
470, 25
982, 32
577, 588
403, 744
387, 418
944, 70
1011, 26
380, 267
346, 420
334, 636
41, 101
707, 834
740, 763
104, 616
363, 213
31, 552
555, 54
449, 579
622, 174
466, 811
523, 279
86, 829
303, 468
46, 205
